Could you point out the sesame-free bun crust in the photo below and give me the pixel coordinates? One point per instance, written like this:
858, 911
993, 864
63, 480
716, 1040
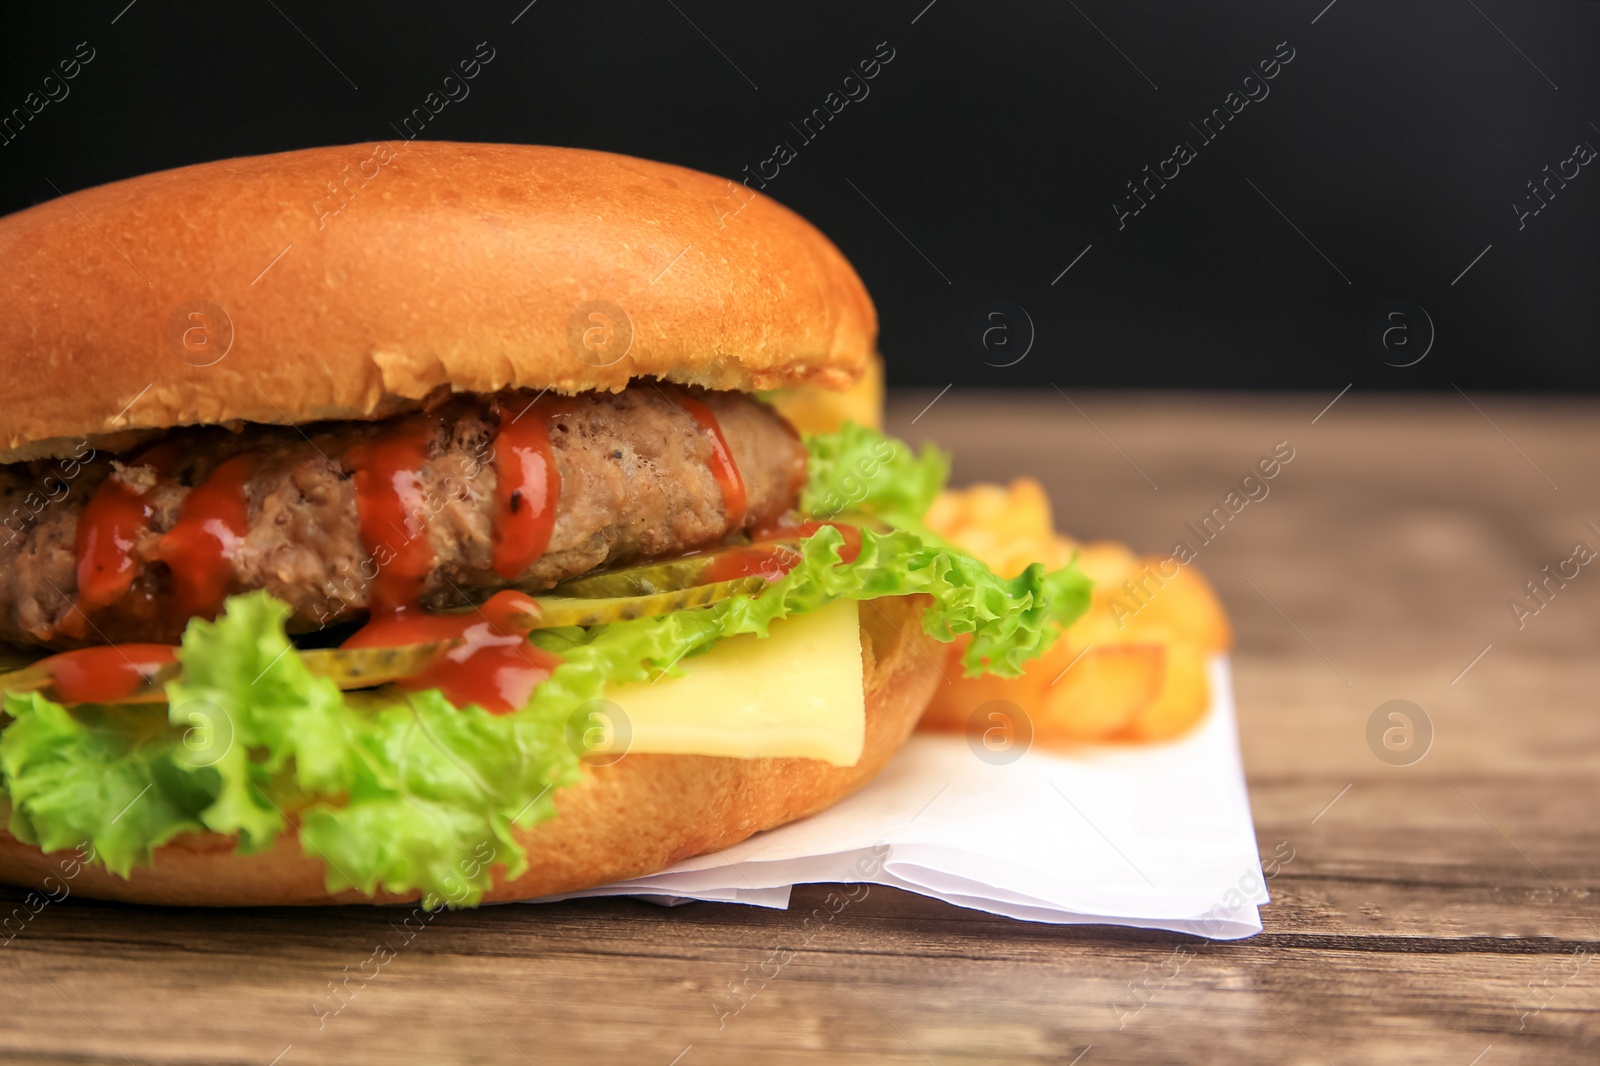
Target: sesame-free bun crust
356, 280
639, 815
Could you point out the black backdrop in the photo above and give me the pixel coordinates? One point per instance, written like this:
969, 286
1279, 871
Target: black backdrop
1361, 207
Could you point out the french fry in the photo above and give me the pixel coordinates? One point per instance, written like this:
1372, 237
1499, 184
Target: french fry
1069, 693
1186, 606
1150, 626
1185, 695
1006, 526
1025, 511
1108, 564
1103, 691
952, 704
1181, 607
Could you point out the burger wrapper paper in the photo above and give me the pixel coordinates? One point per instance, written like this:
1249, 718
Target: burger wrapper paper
1153, 836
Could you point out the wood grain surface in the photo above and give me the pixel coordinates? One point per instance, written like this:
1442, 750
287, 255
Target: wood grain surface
1439, 912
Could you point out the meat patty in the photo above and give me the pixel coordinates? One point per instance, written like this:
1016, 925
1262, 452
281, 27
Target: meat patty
636, 480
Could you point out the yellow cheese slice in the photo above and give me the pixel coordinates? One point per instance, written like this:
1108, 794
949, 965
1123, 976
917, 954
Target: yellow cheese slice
795, 694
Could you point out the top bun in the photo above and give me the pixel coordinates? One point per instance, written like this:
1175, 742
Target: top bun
349, 283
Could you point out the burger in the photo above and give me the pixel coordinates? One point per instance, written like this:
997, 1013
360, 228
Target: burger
444, 546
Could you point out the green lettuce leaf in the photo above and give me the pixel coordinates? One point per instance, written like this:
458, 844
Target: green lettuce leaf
101, 776
859, 469
407, 793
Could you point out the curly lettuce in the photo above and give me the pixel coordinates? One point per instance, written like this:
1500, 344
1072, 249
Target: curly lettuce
406, 793
860, 469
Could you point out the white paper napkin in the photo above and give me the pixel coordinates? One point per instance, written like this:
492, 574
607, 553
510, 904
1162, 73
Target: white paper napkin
1155, 836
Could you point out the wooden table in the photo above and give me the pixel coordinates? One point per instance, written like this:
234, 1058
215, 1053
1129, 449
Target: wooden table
1439, 912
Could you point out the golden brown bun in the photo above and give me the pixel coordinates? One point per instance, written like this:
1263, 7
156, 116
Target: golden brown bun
637, 816
358, 279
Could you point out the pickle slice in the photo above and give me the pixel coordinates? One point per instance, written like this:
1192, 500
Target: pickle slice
365, 667
358, 668
38, 678
28, 679
672, 575
650, 579
13, 658
646, 580
598, 610
349, 668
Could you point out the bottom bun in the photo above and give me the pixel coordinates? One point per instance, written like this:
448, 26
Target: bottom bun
637, 816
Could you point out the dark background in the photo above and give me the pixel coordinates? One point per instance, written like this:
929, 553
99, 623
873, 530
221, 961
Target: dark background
986, 157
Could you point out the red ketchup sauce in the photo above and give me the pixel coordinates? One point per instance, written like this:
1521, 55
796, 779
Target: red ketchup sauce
107, 674
497, 668
526, 492
723, 468
199, 548
107, 530
766, 561
771, 562
848, 551
393, 514
110, 523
